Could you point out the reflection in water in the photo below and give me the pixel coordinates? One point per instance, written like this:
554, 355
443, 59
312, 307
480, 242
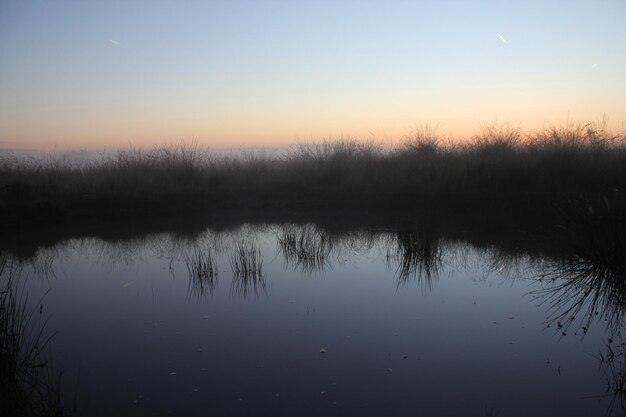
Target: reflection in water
577, 292
246, 263
590, 283
580, 292
203, 272
418, 257
306, 248
613, 365
586, 288
115, 253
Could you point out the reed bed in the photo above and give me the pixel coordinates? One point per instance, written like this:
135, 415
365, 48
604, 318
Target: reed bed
27, 386
501, 169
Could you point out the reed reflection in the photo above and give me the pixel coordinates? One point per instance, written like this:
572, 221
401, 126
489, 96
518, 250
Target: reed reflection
580, 292
418, 257
577, 285
203, 272
305, 248
588, 286
589, 283
246, 262
613, 366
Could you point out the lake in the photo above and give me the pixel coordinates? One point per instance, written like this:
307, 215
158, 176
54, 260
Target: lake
295, 319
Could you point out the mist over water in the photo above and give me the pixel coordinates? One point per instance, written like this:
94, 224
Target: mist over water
280, 318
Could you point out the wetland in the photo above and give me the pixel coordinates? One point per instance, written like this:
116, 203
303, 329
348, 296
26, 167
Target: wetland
335, 317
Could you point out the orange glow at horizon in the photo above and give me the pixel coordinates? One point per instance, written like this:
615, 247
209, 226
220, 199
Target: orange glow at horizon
289, 129
94, 76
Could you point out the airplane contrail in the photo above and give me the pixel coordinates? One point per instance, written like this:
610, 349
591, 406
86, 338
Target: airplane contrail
502, 38
114, 42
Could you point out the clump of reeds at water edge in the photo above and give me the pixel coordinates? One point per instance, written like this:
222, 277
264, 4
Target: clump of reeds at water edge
27, 385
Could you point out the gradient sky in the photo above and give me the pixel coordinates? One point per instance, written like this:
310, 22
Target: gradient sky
94, 74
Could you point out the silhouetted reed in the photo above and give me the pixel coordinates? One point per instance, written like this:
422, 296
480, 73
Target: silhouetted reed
500, 170
306, 248
246, 263
203, 272
418, 257
27, 386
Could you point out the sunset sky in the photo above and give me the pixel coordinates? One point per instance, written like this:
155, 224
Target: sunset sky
95, 74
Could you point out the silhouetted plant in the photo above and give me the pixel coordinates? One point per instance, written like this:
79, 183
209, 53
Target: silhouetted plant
423, 142
27, 386
500, 170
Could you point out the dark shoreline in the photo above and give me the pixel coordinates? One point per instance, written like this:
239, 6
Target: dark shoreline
507, 230
557, 182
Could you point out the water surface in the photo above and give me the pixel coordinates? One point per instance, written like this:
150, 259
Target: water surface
363, 322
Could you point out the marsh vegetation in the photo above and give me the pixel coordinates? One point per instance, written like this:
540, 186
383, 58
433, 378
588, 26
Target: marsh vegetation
28, 385
501, 172
545, 213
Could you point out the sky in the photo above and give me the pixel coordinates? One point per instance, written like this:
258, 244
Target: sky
109, 74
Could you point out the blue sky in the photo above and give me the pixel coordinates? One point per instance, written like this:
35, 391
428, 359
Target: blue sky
89, 74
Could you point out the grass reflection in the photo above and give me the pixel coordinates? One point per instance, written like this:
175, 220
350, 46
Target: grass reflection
203, 272
613, 366
589, 283
306, 248
418, 257
582, 272
246, 262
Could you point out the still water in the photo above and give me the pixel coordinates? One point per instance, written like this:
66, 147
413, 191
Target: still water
289, 319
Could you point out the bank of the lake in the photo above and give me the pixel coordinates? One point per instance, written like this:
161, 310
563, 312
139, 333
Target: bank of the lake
537, 179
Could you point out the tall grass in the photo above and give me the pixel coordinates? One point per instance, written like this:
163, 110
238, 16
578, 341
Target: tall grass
27, 387
500, 168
